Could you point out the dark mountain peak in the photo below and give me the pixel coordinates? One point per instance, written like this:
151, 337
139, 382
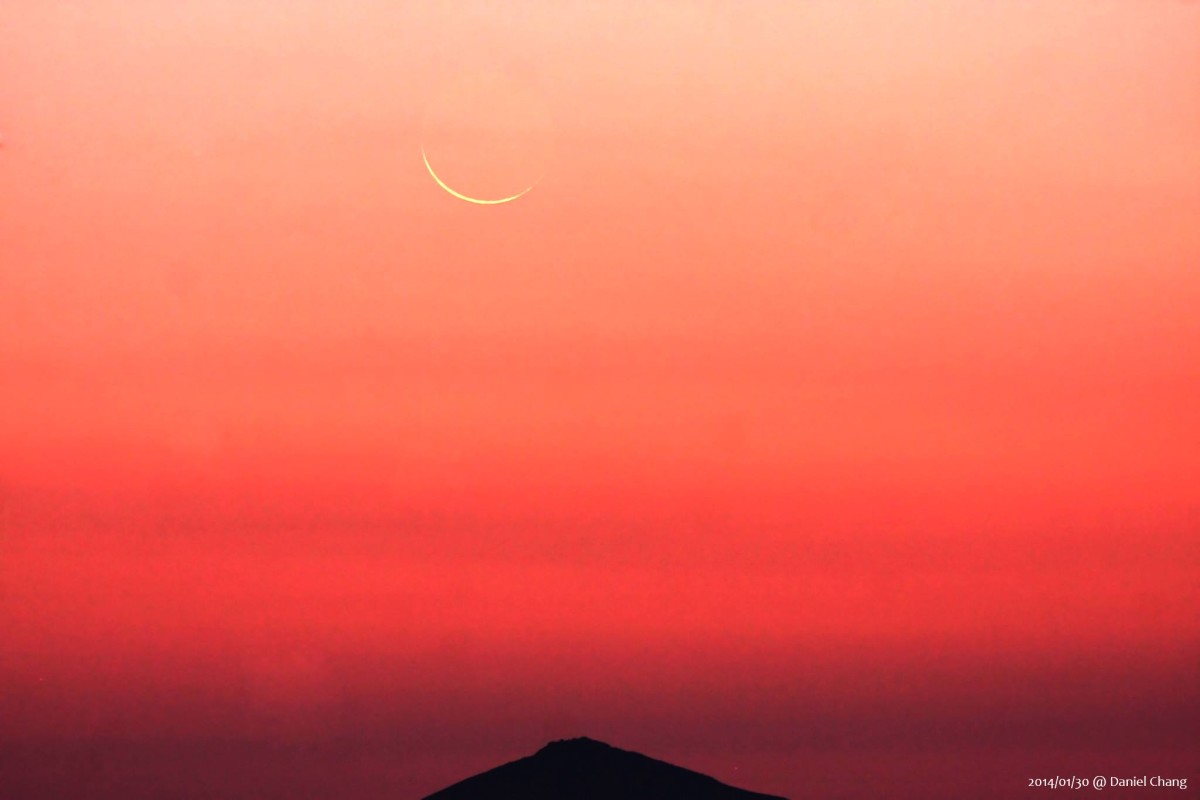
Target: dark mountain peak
585, 769
580, 744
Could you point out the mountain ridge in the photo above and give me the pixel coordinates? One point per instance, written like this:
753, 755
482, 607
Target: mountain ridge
582, 768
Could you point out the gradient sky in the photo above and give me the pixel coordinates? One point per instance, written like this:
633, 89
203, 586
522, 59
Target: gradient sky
827, 419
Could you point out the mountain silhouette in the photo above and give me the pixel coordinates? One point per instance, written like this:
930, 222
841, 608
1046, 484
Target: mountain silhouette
584, 769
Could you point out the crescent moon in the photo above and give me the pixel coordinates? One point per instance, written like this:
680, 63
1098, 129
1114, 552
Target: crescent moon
469, 199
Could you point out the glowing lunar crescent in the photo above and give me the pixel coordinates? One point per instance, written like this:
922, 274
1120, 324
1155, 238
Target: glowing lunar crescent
477, 200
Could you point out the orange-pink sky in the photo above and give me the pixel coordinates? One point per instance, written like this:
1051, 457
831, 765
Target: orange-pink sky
836, 387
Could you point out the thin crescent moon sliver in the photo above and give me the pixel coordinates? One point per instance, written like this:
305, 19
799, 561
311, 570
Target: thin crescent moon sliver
469, 199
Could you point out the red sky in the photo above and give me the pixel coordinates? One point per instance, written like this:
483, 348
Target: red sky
825, 419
